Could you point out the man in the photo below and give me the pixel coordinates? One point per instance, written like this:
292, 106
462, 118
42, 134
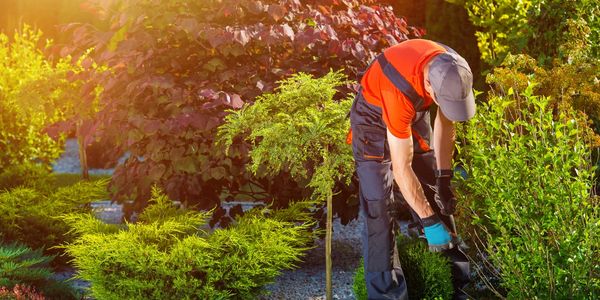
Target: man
390, 125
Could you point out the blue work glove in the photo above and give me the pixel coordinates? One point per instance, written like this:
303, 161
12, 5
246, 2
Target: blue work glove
444, 198
436, 234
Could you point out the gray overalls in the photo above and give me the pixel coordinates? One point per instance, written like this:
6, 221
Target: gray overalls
383, 273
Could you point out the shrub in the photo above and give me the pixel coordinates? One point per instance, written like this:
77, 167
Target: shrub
167, 256
175, 66
427, 273
572, 82
33, 217
529, 184
534, 27
26, 175
22, 268
32, 89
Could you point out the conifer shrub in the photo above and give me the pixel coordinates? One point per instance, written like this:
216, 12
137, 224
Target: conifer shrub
24, 271
26, 175
427, 273
528, 195
34, 217
300, 129
168, 254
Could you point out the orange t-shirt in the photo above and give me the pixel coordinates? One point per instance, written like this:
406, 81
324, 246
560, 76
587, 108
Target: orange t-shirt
409, 58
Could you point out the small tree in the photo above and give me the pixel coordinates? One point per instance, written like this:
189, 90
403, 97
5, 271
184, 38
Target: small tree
301, 129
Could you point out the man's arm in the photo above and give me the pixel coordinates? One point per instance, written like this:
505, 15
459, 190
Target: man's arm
443, 141
401, 151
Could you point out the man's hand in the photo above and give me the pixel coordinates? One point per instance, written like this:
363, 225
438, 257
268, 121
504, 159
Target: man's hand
436, 233
444, 197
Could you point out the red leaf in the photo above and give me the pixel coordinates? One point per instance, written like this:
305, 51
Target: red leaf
55, 129
190, 25
254, 7
86, 63
241, 36
233, 100
288, 31
215, 37
156, 171
277, 12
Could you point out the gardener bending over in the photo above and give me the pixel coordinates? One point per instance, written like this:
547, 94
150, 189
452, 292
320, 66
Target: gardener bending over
391, 128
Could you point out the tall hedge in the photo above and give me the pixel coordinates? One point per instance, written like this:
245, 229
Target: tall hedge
175, 66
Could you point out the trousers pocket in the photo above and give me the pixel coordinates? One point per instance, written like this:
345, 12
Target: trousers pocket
373, 143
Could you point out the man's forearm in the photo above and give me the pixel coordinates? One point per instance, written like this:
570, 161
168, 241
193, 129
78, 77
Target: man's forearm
411, 189
443, 141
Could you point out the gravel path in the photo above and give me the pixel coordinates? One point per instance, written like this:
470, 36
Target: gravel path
308, 281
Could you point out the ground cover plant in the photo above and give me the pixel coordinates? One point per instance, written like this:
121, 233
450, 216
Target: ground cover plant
168, 254
174, 67
24, 271
529, 194
427, 274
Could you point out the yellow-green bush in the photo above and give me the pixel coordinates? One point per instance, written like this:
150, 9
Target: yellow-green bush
33, 91
166, 255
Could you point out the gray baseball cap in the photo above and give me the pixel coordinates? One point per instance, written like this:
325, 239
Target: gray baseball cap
452, 82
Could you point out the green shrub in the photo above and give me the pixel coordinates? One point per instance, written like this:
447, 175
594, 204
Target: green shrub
26, 175
167, 256
427, 273
33, 91
533, 27
33, 217
19, 265
530, 177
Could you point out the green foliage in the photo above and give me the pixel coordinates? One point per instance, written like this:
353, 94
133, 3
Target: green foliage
19, 265
359, 285
31, 92
534, 27
529, 184
167, 256
34, 217
427, 273
572, 82
300, 129
26, 175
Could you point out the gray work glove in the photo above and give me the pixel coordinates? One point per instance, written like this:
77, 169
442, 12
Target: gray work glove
444, 197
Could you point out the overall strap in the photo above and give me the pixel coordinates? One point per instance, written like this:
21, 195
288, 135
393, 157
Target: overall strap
400, 82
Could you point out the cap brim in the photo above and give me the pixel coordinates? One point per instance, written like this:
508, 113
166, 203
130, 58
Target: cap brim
458, 111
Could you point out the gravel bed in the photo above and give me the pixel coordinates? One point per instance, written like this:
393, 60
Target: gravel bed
308, 280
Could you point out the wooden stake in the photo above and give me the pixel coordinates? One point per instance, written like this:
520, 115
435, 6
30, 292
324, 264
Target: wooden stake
82, 153
328, 263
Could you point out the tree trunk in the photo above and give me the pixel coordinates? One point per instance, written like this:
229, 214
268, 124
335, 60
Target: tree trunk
82, 154
328, 263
